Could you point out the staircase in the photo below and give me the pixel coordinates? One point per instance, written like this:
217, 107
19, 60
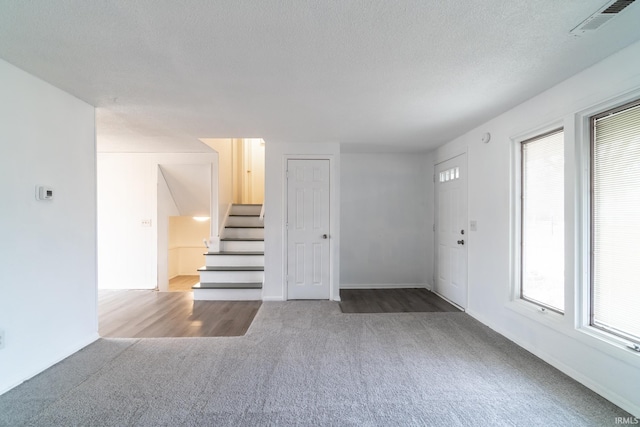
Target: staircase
236, 272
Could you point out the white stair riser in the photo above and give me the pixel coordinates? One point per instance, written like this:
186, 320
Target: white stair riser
227, 294
245, 210
244, 221
234, 260
244, 233
231, 276
242, 246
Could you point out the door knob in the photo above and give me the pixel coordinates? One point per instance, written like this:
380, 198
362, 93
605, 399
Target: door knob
461, 242
325, 236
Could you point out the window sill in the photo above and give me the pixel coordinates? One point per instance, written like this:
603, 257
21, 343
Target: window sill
608, 344
536, 313
596, 339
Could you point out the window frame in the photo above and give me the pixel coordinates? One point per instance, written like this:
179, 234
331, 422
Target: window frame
590, 210
541, 305
515, 302
575, 322
581, 329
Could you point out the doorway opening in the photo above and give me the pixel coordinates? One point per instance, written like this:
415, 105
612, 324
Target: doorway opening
248, 171
234, 260
186, 251
185, 206
148, 235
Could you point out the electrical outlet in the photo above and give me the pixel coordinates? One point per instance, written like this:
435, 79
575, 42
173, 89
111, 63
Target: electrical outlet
2, 339
145, 223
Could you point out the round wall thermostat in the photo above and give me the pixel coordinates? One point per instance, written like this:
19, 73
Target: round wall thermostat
486, 137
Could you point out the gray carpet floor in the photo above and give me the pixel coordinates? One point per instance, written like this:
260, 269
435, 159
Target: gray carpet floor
306, 363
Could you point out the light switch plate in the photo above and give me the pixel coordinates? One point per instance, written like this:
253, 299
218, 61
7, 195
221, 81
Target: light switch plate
473, 225
44, 193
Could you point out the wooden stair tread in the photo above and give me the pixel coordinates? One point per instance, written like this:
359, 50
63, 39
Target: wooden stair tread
227, 286
243, 268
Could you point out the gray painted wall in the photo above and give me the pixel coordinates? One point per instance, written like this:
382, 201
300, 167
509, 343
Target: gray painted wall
386, 219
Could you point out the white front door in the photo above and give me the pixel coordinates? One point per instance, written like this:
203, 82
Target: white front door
451, 230
308, 229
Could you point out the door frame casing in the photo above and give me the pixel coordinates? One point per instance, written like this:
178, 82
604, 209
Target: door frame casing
334, 285
438, 161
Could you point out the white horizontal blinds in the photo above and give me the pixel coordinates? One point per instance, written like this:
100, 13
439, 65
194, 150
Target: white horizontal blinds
542, 280
616, 223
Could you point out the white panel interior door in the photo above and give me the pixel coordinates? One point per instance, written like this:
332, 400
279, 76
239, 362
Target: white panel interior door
451, 230
308, 229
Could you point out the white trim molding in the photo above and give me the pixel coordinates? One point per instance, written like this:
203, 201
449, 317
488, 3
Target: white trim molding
384, 286
334, 216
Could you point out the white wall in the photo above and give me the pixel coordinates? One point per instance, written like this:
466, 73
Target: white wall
166, 208
48, 248
128, 252
276, 154
386, 213
612, 371
224, 148
186, 249
190, 187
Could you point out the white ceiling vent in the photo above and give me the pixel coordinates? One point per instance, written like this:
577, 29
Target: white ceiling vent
601, 17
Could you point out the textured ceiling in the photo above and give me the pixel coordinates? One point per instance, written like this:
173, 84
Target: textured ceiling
371, 74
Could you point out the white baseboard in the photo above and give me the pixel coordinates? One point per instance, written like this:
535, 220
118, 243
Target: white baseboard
627, 405
282, 299
59, 358
383, 285
450, 302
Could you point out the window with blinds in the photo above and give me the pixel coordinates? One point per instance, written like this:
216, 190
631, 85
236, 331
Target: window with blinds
615, 221
542, 220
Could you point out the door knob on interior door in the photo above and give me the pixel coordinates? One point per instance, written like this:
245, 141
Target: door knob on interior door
325, 236
461, 242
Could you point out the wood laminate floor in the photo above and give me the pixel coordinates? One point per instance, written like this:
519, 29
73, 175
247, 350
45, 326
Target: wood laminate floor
392, 301
152, 314
183, 283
